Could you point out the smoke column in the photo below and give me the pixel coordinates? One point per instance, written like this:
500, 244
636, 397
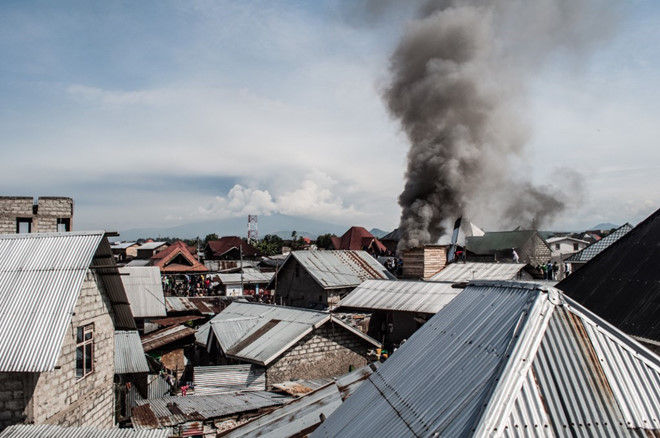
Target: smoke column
458, 86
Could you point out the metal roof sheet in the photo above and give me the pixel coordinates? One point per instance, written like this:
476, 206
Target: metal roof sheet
49, 431
595, 248
460, 272
40, 278
122, 245
152, 245
508, 359
405, 296
341, 268
165, 336
249, 277
229, 378
138, 262
129, 355
172, 410
259, 333
144, 290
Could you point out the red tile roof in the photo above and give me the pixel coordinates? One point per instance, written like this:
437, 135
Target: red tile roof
357, 238
227, 243
165, 259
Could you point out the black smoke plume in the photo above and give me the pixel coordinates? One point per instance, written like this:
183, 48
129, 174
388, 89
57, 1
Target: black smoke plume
458, 86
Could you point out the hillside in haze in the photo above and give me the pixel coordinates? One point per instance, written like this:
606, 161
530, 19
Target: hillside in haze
279, 224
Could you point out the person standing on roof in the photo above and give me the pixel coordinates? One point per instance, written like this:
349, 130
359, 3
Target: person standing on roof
516, 259
548, 270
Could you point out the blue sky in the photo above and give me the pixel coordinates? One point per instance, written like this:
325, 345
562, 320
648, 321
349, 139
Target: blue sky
161, 113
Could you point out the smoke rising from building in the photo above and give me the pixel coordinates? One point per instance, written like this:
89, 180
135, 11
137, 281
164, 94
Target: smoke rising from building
458, 86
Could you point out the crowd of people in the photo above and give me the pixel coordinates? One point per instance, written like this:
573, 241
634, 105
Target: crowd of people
185, 285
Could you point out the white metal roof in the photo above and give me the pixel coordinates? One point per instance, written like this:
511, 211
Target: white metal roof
405, 296
40, 278
50, 431
152, 245
259, 333
122, 245
459, 272
250, 276
144, 290
562, 238
508, 359
340, 268
129, 355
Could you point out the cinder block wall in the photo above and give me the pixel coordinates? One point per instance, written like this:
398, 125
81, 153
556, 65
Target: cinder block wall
326, 352
49, 210
12, 207
58, 397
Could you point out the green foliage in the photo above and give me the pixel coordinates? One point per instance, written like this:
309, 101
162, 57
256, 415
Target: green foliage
270, 245
324, 241
209, 237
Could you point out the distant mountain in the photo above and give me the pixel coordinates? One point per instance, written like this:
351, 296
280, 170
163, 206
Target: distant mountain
378, 233
237, 226
604, 226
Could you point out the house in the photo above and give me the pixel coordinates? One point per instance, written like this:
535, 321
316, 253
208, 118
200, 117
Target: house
61, 300
47, 214
358, 238
124, 251
499, 246
150, 248
508, 359
398, 308
289, 343
250, 282
622, 282
229, 248
177, 259
319, 279
144, 290
564, 245
578, 259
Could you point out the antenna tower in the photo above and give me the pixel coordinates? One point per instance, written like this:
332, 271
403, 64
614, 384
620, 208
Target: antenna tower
253, 229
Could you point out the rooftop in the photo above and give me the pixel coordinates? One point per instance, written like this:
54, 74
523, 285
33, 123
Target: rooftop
460, 272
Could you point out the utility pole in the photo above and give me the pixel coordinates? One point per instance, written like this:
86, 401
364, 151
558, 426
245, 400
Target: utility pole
240, 251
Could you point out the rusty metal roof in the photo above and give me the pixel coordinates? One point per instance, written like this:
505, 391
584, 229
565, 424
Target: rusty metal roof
508, 359
165, 336
203, 305
50, 431
173, 410
41, 275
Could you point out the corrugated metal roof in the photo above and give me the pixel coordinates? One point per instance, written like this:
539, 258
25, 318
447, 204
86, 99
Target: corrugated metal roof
170, 411
144, 290
304, 414
165, 336
129, 355
405, 296
202, 333
122, 245
203, 305
249, 277
138, 262
595, 248
508, 359
40, 279
259, 333
229, 378
49, 431
152, 245
339, 269
459, 272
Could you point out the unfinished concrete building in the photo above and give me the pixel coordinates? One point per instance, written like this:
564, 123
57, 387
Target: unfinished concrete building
46, 214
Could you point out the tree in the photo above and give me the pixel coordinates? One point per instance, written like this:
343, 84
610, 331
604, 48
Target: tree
271, 244
324, 241
209, 237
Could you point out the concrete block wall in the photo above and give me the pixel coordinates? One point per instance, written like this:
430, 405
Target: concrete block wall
326, 352
12, 207
58, 396
61, 398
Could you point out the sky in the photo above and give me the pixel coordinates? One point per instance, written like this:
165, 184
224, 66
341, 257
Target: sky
154, 114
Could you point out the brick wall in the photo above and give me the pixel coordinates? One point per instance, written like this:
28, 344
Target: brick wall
326, 352
48, 211
58, 397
